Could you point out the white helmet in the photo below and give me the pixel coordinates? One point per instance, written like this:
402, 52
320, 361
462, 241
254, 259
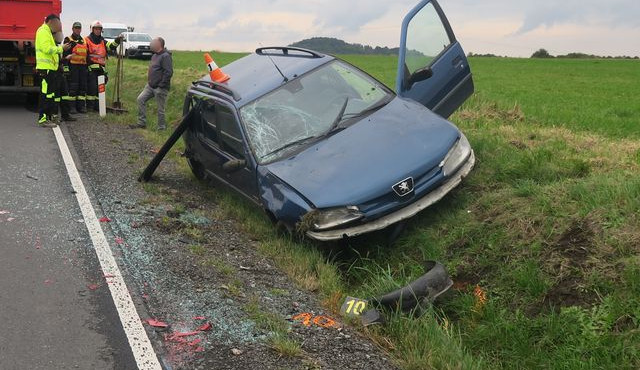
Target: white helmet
95, 24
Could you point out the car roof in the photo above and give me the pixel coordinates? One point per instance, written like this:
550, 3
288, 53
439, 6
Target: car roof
255, 74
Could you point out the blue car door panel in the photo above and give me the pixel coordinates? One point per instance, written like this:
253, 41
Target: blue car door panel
432, 66
223, 141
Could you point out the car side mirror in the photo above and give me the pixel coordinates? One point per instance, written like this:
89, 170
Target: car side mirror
234, 165
419, 75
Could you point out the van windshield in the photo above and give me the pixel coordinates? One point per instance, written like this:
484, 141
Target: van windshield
112, 33
139, 37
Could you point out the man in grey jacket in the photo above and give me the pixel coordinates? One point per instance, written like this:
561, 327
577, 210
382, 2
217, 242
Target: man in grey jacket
158, 84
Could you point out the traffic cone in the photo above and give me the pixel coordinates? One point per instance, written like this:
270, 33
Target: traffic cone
215, 72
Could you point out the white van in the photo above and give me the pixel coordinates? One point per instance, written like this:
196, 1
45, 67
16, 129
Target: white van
111, 30
137, 45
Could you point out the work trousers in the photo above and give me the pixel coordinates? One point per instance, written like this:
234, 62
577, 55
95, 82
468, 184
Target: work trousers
77, 81
62, 99
47, 106
161, 99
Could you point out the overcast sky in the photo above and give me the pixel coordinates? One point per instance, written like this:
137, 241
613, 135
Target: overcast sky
504, 27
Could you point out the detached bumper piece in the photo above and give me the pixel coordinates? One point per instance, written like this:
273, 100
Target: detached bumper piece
422, 291
412, 298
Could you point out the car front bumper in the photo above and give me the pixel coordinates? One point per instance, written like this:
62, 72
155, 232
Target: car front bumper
139, 53
402, 214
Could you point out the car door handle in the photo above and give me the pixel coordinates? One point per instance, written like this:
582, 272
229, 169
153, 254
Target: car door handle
456, 61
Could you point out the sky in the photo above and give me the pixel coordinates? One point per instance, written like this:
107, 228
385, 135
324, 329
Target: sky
504, 27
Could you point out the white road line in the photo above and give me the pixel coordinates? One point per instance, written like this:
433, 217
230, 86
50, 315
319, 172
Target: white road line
141, 347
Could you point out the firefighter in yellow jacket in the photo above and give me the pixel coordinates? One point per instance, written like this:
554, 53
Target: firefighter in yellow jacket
97, 48
75, 61
47, 65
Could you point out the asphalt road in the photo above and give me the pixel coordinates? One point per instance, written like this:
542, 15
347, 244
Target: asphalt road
55, 312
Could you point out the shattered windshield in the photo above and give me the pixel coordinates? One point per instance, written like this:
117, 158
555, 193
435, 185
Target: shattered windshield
308, 108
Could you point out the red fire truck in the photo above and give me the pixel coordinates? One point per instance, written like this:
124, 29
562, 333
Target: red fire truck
19, 20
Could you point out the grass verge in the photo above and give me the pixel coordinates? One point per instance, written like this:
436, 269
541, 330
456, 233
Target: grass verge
542, 240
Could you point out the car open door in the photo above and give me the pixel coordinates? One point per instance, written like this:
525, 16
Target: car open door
432, 67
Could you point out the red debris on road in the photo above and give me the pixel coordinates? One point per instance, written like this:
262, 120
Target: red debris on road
156, 324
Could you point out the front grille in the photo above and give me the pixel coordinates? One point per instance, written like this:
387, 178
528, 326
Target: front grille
144, 47
391, 201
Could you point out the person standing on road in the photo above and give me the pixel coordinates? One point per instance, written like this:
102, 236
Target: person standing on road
62, 99
47, 65
97, 48
76, 60
158, 84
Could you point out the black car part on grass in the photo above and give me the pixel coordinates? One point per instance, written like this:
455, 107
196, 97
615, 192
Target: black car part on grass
414, 298
424, 290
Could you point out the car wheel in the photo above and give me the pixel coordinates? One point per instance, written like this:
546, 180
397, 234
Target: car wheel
197, 169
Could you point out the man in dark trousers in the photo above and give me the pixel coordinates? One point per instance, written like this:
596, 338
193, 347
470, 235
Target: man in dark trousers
158, 84
97, 57
76, 72
47, 65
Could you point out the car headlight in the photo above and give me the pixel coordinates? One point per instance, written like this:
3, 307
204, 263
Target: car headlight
330, 218
456, 156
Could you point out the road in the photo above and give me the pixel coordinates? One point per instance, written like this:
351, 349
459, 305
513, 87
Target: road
55, 311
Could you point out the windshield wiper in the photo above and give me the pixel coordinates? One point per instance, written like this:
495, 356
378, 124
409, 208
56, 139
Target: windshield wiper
372, 108
291, 144
339, 118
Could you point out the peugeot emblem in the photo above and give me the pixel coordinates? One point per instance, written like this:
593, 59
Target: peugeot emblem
404, 187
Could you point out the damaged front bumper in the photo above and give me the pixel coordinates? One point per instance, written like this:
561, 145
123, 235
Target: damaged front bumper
402, 214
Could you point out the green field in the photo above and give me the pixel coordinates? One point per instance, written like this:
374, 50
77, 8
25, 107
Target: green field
547, 226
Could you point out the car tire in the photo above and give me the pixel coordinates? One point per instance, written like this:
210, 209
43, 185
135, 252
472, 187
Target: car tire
197, 169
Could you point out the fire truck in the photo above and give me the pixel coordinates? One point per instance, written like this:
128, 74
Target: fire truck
19, 20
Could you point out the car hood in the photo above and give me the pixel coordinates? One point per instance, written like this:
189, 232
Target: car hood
366, 159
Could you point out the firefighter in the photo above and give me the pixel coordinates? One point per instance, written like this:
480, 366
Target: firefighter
47, 66
76, 63
97, 48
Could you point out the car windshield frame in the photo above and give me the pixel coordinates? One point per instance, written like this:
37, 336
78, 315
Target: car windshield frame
134, 37
336, 119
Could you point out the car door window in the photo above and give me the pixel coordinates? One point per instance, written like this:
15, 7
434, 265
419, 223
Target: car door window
209, 123
427, 37
230, 134
432, 66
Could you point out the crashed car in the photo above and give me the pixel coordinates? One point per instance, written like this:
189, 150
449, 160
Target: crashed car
325, 148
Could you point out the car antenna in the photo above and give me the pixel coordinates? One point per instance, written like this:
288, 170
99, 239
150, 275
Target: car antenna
275, 65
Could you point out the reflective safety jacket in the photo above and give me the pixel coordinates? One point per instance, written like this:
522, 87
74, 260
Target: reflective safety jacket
47, 52
97, 51
79, 52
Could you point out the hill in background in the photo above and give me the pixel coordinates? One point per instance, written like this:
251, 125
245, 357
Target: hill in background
329, 45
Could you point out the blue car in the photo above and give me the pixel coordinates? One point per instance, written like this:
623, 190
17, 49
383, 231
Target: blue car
326, 149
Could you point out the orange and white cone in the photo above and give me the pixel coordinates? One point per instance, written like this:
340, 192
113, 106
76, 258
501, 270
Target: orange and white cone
215, 72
